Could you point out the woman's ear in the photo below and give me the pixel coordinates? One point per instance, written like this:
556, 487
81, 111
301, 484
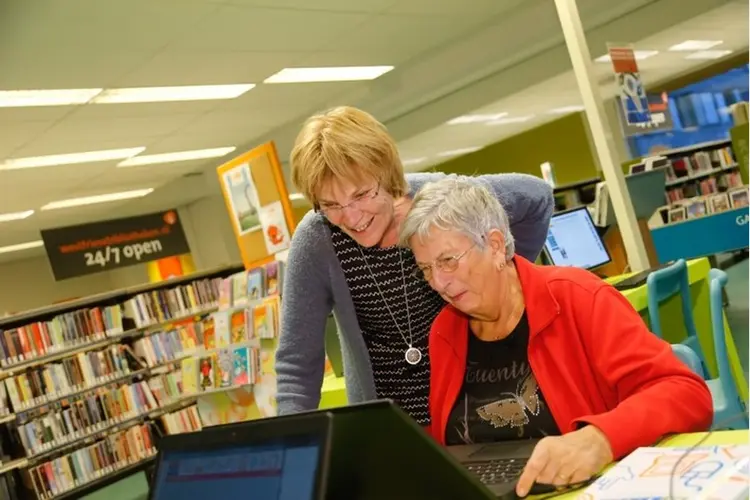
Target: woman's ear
496, 242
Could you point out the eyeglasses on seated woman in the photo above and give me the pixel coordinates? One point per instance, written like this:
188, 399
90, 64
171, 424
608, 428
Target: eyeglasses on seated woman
528, 351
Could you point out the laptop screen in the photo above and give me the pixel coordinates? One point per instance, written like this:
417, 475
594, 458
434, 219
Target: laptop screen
261, 472
572, 240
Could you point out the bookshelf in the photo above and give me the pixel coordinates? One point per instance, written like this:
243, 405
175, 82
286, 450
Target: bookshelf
88, 387
233, 361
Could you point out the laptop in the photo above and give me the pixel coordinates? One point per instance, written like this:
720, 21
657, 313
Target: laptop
371, 451
273, 459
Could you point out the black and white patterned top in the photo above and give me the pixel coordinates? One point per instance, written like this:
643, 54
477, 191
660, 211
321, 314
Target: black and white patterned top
407, 385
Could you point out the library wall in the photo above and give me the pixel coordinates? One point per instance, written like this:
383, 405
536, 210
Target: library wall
28, 283
209, 233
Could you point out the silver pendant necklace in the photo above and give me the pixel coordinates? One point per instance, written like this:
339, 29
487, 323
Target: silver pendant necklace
412, 355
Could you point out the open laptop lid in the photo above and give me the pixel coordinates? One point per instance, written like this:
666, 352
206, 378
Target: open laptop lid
275, 459
379, 452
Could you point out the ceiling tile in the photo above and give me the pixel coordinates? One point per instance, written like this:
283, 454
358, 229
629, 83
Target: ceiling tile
362, 6
209, 67
13, 135
392, 35
432, 8
59, 67
135, 24
268, 30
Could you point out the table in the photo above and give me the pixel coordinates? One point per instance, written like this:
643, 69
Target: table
717, 438
674, 328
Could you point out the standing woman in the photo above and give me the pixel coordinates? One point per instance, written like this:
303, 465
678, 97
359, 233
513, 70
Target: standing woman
344, 258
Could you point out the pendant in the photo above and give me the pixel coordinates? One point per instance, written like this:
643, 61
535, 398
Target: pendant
413, 355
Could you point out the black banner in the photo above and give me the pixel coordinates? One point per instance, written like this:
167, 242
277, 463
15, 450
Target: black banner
102, 246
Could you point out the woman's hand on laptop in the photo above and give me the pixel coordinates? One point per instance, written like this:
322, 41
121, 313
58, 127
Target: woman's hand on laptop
563, 460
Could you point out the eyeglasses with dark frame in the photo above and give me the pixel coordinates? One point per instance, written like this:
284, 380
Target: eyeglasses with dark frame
444, 264
335, 210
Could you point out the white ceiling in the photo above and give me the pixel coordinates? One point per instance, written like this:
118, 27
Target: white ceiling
451, 58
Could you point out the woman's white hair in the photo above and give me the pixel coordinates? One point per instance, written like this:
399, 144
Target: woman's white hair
454, 204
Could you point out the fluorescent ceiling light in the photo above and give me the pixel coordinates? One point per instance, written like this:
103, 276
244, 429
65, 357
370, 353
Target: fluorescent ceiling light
412, 161
197, 154
101, 198
16, 216
332, 74
22, 246
564, 110
69, 159
461, 151
640, 55
296, 196
461, 120
29, 98
512, 119
689, 45
708, 54
167, 94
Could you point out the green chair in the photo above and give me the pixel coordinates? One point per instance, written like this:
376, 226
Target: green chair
662, 285
729, 410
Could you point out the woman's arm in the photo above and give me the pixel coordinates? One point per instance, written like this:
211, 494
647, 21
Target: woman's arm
658, 394
529, 202
306, 304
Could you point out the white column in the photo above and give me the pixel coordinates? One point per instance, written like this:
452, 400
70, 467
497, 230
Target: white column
575, 39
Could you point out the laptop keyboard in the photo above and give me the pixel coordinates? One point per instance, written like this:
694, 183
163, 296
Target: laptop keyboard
503, 470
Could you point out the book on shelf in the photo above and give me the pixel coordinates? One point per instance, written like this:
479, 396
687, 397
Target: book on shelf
40, 385
80, 387
181, 421
159, 306
84, 416
241, 288
115, 452
62, 332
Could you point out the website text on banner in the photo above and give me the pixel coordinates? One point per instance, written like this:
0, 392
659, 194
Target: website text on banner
102, 246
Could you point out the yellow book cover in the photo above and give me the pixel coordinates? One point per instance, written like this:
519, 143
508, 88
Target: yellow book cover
190, 376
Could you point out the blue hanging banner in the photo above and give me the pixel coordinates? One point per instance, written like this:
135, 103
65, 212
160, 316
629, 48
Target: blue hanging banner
633, 99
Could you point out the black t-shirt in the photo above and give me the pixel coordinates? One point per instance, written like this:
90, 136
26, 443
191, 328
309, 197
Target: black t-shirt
500, 399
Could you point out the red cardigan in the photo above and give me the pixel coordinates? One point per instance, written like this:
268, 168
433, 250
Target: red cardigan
593, 357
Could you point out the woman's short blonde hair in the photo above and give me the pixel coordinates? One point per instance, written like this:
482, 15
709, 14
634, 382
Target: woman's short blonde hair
348, 143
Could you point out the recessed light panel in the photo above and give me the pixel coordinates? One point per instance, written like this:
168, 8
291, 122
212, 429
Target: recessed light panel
16, 216
329, 74
31, 98
171, 94
101, 198
22, 246
690, 45
478, 118
69, 159
197, 154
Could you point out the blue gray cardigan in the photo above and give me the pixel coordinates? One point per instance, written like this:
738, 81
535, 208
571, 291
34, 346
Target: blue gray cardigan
314, 285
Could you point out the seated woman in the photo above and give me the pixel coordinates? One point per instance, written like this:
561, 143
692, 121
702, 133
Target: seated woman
528, 351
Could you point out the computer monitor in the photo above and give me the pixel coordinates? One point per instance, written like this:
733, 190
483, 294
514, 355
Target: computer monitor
271, 460
572, 240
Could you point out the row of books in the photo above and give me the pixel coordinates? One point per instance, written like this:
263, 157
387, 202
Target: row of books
91, 413
63, 332
181, 421
76, 469
701, 206
705, 186
166, 388
53, 381
165, 346
234, 326
227, 368
159, 306
700, 162
240, 288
